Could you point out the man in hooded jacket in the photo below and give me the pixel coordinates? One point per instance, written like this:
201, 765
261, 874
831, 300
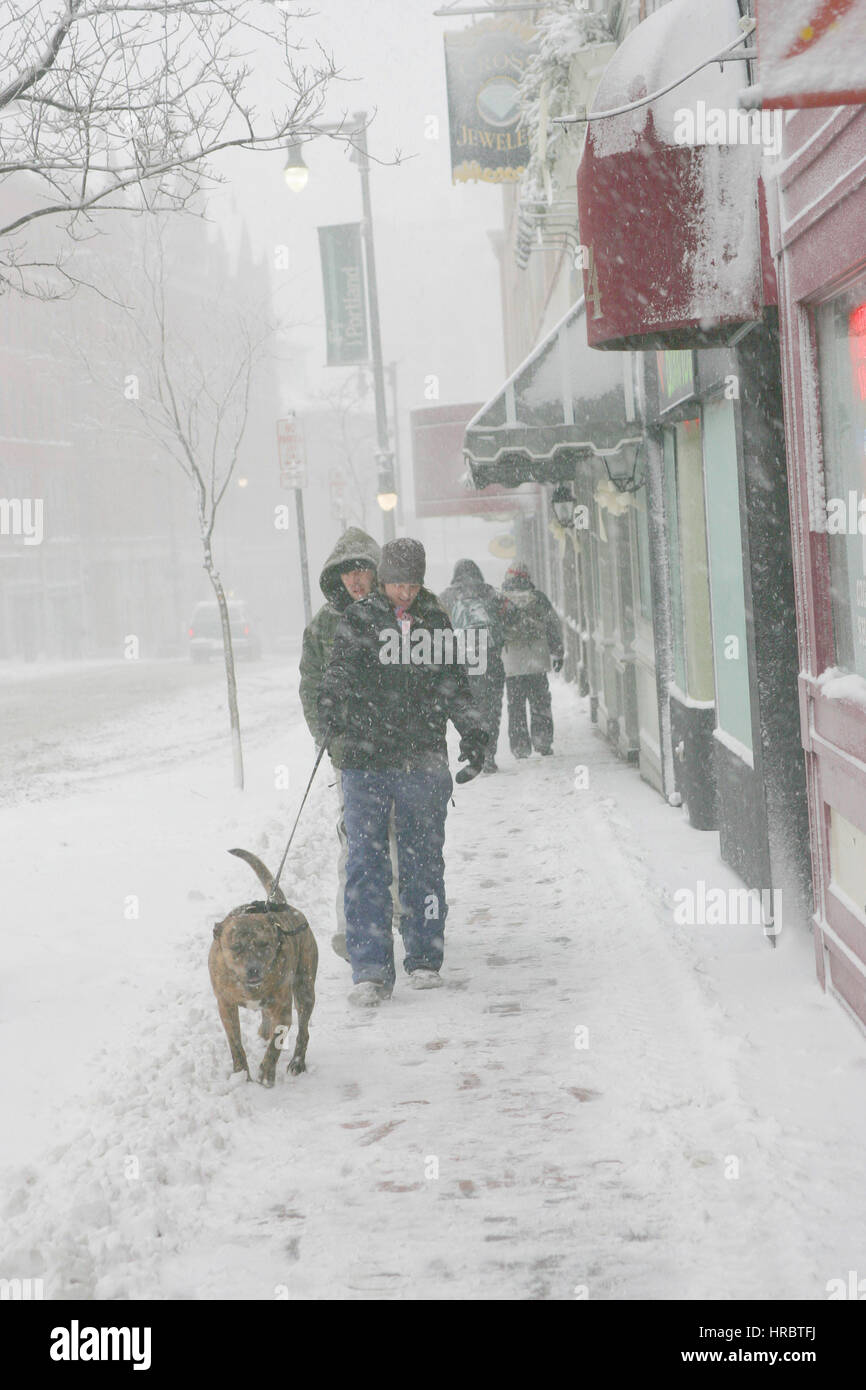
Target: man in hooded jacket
470, 602
533, 642
348, 574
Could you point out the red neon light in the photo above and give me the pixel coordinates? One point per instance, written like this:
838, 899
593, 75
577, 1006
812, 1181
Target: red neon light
826, 17
857, 342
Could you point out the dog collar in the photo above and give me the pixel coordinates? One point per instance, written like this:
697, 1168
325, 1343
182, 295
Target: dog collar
266, 908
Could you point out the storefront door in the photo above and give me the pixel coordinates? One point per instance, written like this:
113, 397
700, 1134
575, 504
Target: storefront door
690, 594
727, 592
644, 646
838, 736
692, 690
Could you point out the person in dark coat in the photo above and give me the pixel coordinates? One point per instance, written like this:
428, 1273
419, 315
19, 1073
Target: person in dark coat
472, 603
389, 692
533, 642
348, 574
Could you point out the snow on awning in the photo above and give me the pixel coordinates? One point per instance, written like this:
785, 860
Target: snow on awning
811, 52
668, 194
564, 403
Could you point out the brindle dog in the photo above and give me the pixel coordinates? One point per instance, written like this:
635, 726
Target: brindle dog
260, 956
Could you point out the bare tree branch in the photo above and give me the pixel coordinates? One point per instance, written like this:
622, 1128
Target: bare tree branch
108, 106
43, 65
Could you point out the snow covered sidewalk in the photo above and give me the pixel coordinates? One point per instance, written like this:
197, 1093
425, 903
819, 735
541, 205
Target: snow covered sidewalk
600, 1104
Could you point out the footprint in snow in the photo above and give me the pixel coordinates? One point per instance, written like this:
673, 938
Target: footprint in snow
381, 1132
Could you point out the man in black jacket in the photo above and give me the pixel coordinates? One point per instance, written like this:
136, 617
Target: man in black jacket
394, 680
533, 643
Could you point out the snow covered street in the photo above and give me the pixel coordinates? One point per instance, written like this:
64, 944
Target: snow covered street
600, 1104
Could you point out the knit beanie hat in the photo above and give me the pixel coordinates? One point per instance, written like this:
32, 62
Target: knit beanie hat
517, 577
403, 562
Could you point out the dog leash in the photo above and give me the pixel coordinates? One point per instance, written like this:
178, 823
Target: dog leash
276, 879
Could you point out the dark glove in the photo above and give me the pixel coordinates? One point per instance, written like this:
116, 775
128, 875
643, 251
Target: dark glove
556, 663
472, 747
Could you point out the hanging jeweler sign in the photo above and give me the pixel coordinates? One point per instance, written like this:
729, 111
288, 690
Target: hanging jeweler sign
483, 66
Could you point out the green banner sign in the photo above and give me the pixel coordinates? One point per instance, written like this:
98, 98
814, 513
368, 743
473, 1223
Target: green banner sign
483, 67
345, 298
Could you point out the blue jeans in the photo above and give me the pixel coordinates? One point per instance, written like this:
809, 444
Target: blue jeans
420, 801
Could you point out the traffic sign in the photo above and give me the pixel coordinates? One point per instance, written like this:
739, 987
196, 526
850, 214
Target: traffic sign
290, 450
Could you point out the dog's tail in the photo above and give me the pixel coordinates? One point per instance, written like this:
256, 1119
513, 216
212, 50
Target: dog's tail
264, 877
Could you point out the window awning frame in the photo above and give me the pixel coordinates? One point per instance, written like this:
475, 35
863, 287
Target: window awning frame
517, 437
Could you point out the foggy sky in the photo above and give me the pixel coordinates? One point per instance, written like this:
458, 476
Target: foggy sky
438, 276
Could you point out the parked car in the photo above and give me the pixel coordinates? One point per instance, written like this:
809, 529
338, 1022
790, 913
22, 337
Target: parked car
205, 631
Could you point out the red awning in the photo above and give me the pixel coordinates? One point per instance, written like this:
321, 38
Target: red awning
812, 52
668, 194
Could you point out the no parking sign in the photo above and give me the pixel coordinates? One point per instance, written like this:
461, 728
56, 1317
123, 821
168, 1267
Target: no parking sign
290, 449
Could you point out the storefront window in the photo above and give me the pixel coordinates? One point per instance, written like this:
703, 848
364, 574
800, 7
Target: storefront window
643, 556
727, 592
842, 364
690, 595
672, 510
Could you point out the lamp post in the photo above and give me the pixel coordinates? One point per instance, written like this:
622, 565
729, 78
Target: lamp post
296, 174
395, 416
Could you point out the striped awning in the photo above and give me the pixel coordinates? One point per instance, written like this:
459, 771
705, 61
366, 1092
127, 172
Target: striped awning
565, 402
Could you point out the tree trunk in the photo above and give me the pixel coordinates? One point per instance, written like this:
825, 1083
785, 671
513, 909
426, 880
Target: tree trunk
229, 657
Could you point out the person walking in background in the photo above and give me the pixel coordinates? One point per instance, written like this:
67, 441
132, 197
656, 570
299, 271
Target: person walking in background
533, 642
348, 574
471, 603
389, 691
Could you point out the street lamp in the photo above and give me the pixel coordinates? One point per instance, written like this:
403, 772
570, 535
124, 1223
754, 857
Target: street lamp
296, 172
299, 172
386, 489
563, 504
621, 464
